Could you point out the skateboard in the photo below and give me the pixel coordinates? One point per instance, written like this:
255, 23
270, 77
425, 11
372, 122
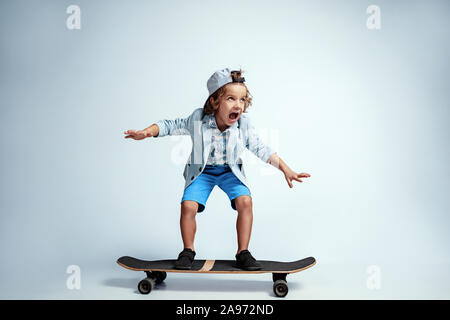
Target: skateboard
156, 271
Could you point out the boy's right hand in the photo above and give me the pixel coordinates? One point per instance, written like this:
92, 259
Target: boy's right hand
138, 135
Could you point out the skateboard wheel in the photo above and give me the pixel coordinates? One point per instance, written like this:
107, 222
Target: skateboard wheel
280, 288
159, 276
146, 285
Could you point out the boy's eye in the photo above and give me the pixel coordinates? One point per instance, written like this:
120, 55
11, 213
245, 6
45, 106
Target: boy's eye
242, 99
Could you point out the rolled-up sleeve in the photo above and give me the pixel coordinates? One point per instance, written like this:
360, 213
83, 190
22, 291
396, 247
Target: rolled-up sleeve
178, 126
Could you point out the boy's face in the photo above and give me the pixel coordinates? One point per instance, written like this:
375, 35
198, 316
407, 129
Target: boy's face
231, 105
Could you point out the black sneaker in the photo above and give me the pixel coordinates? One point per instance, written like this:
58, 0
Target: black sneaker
245, 260
185, 259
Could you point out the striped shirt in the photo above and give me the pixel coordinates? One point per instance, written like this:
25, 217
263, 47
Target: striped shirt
218, 153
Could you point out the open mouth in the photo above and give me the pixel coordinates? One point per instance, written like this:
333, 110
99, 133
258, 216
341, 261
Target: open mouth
233, 116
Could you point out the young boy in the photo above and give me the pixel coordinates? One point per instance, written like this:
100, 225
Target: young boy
220, 132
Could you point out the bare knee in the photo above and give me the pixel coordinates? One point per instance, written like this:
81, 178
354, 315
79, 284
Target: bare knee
243, 203
189, 208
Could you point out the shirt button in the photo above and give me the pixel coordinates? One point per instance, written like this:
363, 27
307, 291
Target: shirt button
192, 178
200, 169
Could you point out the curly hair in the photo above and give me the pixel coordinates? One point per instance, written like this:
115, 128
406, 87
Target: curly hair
236, 76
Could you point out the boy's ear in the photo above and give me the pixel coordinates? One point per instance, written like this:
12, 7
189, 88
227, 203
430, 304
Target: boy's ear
214, 103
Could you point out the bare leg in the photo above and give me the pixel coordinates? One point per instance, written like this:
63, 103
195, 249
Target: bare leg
188, 225
244, 221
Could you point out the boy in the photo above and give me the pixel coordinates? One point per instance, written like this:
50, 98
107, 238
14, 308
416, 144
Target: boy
220, 132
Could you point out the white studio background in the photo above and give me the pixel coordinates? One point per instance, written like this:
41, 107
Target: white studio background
363, 110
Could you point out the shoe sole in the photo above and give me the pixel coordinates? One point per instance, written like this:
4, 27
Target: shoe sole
182, 268
248, 268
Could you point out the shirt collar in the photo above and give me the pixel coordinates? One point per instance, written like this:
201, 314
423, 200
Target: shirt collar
211, 121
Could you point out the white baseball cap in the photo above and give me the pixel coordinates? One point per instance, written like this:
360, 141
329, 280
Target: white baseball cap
219, 79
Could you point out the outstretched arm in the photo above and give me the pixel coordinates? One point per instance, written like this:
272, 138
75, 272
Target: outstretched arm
178, 126
289, 174
256, 145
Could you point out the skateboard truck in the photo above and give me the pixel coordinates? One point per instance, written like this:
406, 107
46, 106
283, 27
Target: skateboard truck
146, 285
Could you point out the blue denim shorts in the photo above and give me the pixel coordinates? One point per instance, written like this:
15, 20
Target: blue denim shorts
221, 175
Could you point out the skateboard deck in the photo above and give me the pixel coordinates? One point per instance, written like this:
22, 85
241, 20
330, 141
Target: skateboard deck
157, 270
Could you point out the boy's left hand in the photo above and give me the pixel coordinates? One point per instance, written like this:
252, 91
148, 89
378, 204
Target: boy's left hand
291, 175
